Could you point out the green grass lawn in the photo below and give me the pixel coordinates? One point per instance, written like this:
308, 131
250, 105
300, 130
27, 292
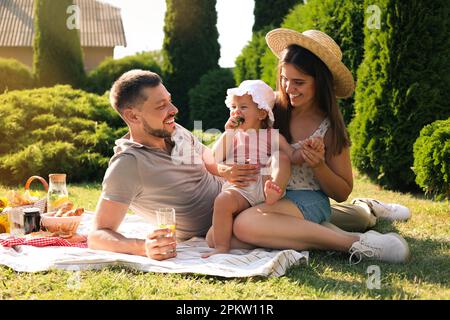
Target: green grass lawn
328, 275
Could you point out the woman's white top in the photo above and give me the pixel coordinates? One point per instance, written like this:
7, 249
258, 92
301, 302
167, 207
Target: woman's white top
302, 177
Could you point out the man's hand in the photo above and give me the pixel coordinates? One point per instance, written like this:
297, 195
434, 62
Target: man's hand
239, 174
160, 247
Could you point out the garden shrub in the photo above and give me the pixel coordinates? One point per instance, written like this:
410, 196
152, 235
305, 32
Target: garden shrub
432, 159
397, 93
248, 63
207, 99
109, 70
14, 75
56, 129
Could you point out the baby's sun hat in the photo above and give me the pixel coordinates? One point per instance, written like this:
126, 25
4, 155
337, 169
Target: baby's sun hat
262, 94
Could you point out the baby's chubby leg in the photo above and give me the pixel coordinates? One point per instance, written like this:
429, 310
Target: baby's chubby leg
275, 186
227, 205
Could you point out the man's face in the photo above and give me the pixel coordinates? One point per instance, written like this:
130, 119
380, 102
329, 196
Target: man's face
157, 113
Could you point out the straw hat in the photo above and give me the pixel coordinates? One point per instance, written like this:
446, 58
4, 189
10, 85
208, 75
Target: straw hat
323, 47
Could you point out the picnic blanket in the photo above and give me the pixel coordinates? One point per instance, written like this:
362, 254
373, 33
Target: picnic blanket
239, 263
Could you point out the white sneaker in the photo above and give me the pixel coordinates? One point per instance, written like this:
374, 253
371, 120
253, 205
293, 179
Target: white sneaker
387, 211
389, 247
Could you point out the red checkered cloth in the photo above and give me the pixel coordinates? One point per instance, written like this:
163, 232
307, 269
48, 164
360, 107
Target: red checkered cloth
40, 242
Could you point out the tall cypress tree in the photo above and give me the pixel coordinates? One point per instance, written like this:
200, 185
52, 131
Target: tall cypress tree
270, 12
190, 48
402, 86
57, 50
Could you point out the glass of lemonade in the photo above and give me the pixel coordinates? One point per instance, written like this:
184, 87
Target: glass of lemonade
165, 218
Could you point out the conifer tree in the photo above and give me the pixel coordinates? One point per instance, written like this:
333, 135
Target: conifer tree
57, 51
402, 86
190, 48
271, 13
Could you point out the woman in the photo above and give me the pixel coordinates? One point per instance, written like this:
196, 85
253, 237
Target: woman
311, 76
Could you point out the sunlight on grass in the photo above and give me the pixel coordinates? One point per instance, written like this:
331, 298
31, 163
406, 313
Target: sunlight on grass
328, 275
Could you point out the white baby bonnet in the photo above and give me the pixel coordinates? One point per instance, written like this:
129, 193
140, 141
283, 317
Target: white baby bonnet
262, 94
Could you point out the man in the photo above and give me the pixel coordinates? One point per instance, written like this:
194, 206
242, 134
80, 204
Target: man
157, 164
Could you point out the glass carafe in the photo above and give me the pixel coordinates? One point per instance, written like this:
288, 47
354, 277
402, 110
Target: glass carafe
57, 192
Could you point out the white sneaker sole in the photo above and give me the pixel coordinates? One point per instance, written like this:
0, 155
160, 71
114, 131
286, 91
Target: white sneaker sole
403, 241
367, 203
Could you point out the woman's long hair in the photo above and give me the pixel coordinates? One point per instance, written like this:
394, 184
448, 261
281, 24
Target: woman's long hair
308, 63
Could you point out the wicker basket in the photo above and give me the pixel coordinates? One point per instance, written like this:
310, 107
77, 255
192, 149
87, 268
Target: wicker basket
15, 214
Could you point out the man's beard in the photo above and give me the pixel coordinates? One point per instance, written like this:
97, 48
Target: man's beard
159, 133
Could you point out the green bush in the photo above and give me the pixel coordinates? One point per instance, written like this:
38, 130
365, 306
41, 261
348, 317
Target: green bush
397, 92
342, 20
56, 129
14, 75
103, 76
207, 99
248, 63
432, 159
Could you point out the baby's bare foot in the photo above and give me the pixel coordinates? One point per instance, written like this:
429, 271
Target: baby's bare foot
272, 191
217, 251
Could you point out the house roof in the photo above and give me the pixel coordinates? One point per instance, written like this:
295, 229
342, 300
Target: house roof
101, 24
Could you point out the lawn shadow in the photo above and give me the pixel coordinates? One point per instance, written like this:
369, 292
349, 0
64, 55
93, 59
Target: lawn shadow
429, 263
429, 260
317, 277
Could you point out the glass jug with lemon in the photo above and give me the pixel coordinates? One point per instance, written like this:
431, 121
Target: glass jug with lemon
57, 192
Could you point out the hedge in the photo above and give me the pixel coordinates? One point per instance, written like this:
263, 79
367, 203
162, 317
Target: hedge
402, 86
432, 159
56, 129
207, 99
14, 75
109, 70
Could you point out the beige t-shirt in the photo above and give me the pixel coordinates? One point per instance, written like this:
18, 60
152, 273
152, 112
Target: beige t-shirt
147, 178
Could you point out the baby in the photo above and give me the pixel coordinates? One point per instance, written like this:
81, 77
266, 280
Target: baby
249, 138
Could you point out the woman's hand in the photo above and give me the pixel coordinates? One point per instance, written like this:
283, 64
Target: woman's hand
159, 246
239, 174
313, 158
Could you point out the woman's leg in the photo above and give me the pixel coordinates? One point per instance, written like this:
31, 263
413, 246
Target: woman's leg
280, 226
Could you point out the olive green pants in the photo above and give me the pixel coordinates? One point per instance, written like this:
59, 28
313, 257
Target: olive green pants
352, 218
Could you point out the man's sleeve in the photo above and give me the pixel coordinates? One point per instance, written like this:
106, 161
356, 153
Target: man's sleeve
122, 182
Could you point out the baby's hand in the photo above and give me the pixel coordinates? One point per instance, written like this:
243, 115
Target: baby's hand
315, 143
234, 122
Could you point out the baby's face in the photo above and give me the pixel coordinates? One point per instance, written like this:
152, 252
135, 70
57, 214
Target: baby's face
245, 108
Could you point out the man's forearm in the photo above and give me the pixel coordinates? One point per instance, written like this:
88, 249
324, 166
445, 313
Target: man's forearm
105, 239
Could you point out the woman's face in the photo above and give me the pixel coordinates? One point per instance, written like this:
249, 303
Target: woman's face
299, 86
